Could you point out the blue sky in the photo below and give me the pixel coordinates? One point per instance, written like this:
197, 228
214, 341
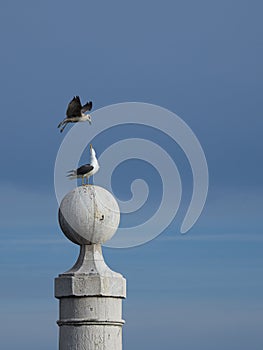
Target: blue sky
203, 61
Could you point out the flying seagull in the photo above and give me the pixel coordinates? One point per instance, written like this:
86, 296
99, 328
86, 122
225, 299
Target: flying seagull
76, 113
87, 170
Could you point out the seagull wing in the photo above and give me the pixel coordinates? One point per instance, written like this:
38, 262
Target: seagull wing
86, 107
74, 107
84, 169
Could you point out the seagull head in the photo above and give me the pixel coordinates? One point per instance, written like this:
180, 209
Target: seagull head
92, 151
85, 117
88, 118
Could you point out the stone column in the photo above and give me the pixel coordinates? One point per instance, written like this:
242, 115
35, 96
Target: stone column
90, 294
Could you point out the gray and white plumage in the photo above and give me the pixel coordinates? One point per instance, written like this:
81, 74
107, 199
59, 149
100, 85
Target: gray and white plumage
86, 170
76, 113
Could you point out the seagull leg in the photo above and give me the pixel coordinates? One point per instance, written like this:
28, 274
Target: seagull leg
63, 127
60, 124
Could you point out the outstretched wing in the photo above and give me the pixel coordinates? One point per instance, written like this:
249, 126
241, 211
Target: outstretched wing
74, 107
84, 169
86, 107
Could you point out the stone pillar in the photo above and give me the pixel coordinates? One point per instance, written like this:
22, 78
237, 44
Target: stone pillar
90, 294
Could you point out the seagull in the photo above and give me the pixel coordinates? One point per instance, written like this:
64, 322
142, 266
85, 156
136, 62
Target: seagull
87, 170
76, 113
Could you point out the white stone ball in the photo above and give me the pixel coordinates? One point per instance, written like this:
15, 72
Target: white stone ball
89, 215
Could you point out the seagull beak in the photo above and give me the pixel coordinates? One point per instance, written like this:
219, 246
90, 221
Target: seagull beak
90, 146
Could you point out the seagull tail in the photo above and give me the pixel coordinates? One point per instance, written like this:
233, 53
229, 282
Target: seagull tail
72, 177
72, 174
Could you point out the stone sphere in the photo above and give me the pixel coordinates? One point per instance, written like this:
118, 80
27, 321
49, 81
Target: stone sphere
89, 215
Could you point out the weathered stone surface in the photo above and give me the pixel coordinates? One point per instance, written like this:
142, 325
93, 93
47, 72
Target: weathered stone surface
90, 276
90, 303
89, 215
90, 294
92, 337
91, 309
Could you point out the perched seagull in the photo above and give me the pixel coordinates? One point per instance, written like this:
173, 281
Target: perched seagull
87, 170
76, 113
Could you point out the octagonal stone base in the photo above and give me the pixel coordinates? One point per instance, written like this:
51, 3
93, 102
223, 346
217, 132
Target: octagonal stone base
90, 297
